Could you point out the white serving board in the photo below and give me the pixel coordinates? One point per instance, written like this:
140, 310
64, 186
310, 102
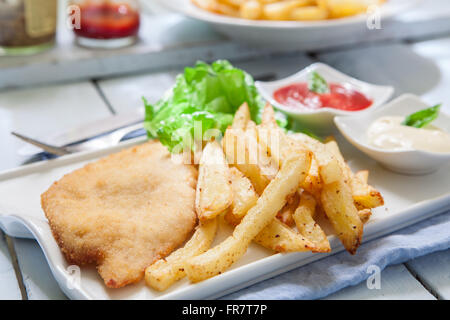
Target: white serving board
408, 199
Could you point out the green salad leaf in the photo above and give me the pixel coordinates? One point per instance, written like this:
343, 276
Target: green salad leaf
423, 117
206, 93
204, 97
317, 84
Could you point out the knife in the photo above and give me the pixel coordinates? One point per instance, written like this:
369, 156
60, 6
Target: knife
85, 131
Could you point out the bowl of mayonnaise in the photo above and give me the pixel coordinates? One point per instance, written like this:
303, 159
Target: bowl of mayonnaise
407, 135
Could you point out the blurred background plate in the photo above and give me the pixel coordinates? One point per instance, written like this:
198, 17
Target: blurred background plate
287, 35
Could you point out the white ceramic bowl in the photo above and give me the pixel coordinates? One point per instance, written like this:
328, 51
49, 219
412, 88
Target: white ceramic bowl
413, 162
321, 120
285, 34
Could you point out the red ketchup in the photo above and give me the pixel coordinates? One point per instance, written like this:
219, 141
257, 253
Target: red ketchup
340, 97
107, 21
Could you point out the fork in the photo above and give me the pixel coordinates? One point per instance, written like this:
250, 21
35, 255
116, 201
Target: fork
105, 141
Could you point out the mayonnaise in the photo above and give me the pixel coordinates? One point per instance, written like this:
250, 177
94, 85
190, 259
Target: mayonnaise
389, 133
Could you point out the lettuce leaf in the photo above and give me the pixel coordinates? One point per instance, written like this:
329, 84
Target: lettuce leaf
209, 93
206, 96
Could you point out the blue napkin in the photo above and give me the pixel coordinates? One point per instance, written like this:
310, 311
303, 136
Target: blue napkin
331, 274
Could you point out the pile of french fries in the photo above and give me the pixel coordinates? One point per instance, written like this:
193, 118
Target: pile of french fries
300, 10
271, 187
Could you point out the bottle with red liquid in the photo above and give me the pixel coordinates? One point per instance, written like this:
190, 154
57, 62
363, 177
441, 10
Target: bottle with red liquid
106, 23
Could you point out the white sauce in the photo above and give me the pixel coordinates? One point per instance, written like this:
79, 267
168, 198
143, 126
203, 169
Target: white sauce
389, 133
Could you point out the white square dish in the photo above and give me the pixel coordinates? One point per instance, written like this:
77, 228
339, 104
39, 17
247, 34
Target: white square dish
403, 161
321, 120
408, 200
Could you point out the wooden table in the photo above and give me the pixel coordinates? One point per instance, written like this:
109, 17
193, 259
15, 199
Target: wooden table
419, 64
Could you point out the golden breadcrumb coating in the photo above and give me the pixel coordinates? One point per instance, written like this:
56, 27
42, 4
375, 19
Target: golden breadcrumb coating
123, 212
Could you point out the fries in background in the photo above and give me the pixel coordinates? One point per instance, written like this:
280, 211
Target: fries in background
297, 10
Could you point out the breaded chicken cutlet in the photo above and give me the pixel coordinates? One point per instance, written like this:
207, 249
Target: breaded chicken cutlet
123, 212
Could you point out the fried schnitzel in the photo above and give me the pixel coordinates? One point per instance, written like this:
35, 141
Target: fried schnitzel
123, 212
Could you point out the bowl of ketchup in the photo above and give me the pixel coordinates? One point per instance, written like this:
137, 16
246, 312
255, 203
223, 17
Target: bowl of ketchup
318, 93
107, 23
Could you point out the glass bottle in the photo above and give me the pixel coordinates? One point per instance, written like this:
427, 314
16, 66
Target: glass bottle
106, 23
27, 26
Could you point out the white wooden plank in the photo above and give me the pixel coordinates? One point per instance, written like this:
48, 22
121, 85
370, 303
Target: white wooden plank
9, 288
43, 112
426, 10
40, 113
434, 271
168, 39
37, 277
438, 53
422, 68
392, 64
164, 40
125, 93
152, 7
396, 284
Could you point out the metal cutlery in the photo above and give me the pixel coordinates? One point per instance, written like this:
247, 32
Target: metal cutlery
103, 141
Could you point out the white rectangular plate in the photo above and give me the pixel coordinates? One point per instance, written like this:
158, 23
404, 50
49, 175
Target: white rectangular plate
408, 199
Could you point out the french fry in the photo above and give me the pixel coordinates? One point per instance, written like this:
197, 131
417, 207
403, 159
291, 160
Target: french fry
234, 3
268, 117
209, 5
214, 193
364, 195
323, 4
304, 220
240, 148
241, 117
313, 183
337, 202
309, 13
365, 215
280, 238
333, 148
321, 154
269, 134
218, 259
251, 10
299, 10
281, 10
242, 151
257, 154
331, 172
165, 272
228, 10
244, 197
276, 237
345, 8
272, 139
285, 215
